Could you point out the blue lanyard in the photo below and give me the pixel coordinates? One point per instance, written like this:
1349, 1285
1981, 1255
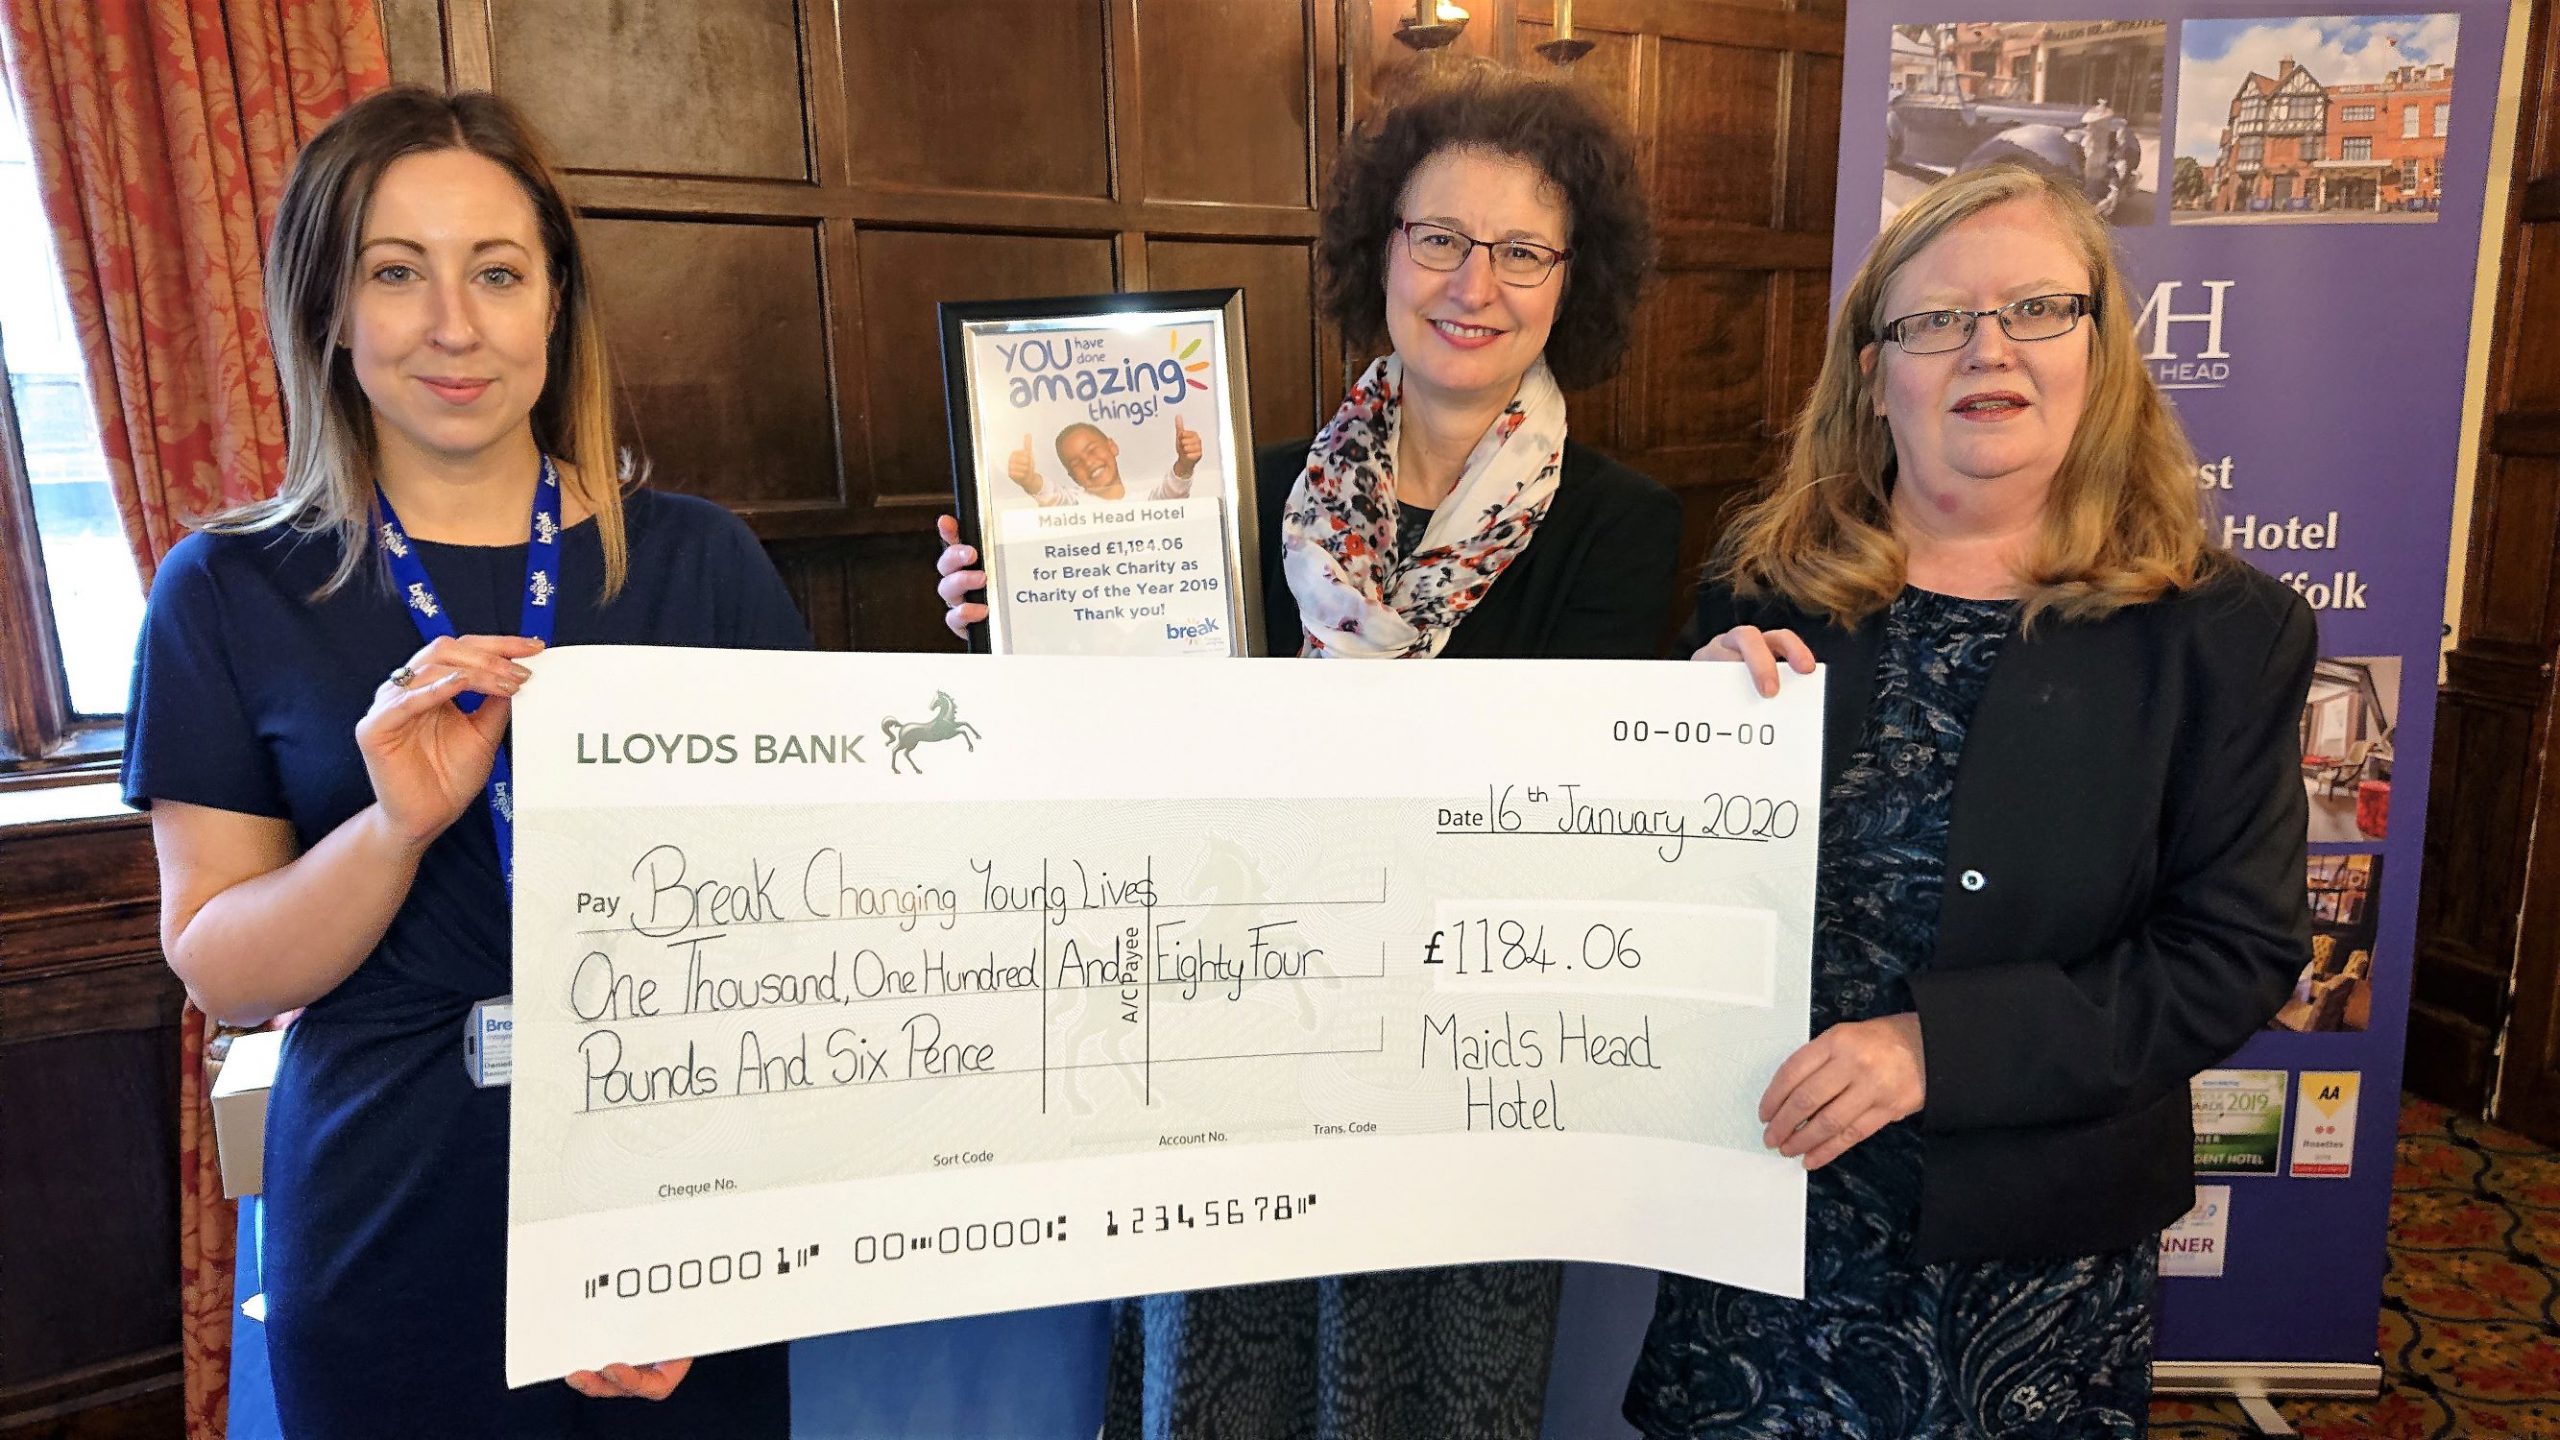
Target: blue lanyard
541, 569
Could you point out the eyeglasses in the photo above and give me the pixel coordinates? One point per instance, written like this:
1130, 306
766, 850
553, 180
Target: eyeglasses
2038, 317
1515, 262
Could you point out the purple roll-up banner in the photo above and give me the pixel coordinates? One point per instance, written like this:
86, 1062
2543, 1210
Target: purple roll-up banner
2298, 200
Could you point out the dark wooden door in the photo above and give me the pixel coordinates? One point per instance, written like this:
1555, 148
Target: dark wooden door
2488, 960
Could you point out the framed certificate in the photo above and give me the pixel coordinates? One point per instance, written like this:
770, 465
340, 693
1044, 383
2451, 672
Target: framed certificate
1102, 464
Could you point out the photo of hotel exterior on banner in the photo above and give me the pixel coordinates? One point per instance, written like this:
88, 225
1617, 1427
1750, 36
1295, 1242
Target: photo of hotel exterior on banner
2319, 118
1102, 464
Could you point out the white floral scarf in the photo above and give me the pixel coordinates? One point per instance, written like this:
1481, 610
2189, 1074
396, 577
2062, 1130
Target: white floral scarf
1357, 597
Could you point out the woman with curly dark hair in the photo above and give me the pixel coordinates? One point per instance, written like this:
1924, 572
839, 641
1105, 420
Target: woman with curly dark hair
1491, 231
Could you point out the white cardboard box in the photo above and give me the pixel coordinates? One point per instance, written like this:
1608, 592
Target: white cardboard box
240, 1110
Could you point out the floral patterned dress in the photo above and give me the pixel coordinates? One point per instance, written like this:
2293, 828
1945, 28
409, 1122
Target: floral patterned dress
1883, 1348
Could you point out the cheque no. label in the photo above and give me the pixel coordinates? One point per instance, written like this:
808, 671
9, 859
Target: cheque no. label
860, 989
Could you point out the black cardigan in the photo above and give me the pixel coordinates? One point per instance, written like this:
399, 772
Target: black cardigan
1594, 582
2124, 902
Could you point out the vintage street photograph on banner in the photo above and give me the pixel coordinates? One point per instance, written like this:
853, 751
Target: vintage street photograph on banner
2348, 721
2336, 988
2335, 118
2079, 97
1102, 459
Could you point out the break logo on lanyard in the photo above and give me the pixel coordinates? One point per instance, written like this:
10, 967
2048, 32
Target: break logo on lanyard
541, 566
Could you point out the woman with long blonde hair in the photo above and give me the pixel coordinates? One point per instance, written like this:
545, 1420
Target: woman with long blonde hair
1990, 531
317, 727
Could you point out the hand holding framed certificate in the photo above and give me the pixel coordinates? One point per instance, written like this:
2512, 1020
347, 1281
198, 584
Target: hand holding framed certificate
1102, 465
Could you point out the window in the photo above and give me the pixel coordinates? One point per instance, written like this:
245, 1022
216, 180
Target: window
2408, 122
2250, 151
2356, 147
2356, 112
2311, 147
70, 602
2409, 178
2444, 113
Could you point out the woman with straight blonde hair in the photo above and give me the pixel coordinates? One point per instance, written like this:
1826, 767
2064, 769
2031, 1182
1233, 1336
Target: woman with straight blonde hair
1990, 531
317, 728
2122, 520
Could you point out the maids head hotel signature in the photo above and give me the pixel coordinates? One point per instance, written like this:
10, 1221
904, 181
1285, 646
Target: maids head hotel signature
652, 747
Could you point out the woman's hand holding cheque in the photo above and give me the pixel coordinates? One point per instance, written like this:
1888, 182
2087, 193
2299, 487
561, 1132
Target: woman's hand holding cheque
1762, 650
1849, 1082
427, 759
1854, 1078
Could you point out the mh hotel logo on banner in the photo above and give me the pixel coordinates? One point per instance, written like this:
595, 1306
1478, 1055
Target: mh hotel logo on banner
2180, 330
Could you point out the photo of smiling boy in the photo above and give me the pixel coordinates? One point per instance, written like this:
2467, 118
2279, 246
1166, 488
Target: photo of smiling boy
1092, 461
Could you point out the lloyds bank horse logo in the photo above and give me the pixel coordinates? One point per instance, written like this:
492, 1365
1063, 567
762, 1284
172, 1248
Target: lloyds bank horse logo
906, 735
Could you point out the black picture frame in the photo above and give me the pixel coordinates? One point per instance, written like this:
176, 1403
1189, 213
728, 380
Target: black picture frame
997, 507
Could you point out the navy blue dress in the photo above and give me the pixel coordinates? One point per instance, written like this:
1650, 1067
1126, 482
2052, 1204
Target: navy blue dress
386, 1171
1882, 1348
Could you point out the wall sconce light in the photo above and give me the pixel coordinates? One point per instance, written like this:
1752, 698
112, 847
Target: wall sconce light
1432, 25
1564, 49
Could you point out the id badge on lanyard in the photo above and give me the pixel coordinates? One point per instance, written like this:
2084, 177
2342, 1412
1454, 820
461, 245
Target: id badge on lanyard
418, 594
541, 565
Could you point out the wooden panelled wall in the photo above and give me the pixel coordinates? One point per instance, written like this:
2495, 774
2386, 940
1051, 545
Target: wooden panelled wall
2488, 962
88, 1137
777, 194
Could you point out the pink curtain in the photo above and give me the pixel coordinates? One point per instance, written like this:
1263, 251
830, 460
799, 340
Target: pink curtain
163, 133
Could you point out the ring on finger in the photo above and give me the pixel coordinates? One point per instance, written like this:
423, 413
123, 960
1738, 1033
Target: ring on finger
402, 676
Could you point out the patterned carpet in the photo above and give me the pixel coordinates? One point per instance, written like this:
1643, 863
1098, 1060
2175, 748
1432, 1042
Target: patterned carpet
2470, 1306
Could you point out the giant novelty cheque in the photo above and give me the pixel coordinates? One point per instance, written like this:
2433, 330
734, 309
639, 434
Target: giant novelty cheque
860, 989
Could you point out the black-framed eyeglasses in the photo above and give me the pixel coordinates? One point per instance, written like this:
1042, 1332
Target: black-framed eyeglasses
2038, 317
1515, 262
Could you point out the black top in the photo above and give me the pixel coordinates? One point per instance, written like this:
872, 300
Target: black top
1594, 583
2123, 901
2073, 1335
386, 1172
1412, 523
